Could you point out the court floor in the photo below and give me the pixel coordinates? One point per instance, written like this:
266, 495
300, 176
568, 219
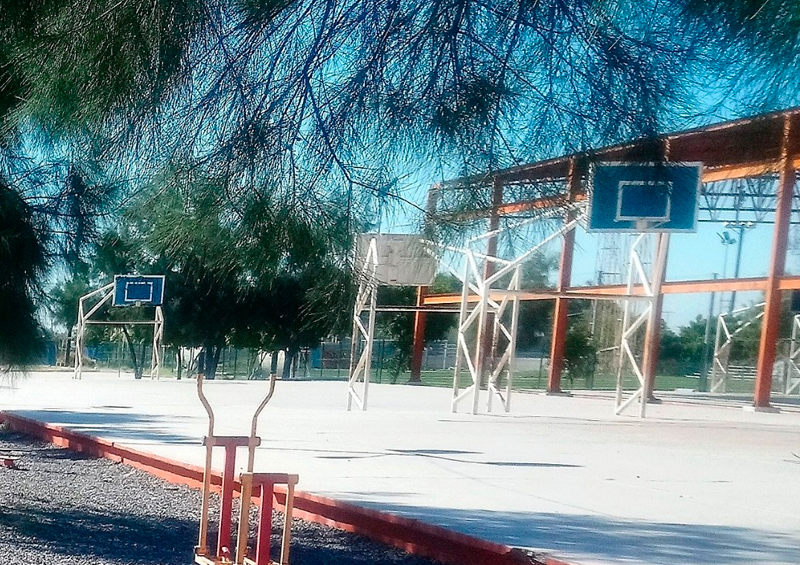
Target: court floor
699, 481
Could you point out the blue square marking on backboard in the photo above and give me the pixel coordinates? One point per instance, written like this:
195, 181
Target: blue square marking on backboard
138, 289
636, 197
141, 291
637, 200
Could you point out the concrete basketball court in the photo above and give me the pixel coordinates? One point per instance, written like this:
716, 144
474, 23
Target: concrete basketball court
699, 481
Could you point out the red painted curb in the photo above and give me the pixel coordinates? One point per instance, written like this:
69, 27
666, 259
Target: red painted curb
413, 536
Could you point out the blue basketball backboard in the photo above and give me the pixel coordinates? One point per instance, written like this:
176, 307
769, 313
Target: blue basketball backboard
145, 290
644, 197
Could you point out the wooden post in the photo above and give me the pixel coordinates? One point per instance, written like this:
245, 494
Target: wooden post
772, 308
560, 311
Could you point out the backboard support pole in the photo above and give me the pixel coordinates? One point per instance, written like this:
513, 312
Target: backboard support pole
632, 322
652, 339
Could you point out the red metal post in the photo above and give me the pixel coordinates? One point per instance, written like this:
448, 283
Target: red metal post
772, 309
560, 319
264, 523
228, 479
419, 337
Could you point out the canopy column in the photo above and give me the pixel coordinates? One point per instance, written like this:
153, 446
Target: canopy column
772, 297
418, 349
561, 309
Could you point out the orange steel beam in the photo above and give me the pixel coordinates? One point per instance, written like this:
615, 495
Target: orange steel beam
772, 308
743, 148
722, 147
616, 292
715, 174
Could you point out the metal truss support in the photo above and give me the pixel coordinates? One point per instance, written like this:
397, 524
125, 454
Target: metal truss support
105, 294
648, 318
85, 314
158, 337
792, 382
366, 300
472, 352
509, 335
724, 342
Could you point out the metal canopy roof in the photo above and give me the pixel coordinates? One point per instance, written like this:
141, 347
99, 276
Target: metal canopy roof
729, 150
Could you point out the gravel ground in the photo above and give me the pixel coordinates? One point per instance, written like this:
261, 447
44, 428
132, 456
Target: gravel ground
59, 507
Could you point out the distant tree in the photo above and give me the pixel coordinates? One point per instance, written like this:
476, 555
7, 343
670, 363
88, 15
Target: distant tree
535, 316
580, 353
400, 326
22, 262
316, 104
65, 299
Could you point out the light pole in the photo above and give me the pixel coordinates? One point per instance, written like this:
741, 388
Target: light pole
727, 241
741, 227
703, 385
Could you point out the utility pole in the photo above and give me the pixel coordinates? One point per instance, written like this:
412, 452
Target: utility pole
703, 385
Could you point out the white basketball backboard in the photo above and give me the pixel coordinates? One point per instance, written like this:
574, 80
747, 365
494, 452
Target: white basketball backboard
402, 259
644, 197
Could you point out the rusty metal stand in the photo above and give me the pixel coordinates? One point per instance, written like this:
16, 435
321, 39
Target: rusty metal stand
223, 555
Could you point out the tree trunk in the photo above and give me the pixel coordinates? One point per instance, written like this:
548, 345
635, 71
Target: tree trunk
211, 357
273, 363
137, 369
68, 349
179, 363
288, 363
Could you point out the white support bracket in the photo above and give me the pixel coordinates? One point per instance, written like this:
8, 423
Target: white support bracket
632, 322
84, 318
720, 368
366, 299
472, 324
792, 382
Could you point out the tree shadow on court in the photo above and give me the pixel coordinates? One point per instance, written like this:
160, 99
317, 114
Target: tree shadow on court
453, 455
604, 538
122, 425
113, 537
107, 535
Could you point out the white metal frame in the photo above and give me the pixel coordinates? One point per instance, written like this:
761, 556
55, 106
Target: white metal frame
366, 299
84, 319
722, 347
792, 382
470, 348
632, 322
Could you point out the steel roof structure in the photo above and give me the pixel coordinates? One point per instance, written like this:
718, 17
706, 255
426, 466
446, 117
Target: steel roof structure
759, 155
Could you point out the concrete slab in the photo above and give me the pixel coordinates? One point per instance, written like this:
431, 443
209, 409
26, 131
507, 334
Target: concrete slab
699, 481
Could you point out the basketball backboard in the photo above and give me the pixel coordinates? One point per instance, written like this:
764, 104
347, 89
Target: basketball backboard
644, 197
132, 290
402, 259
